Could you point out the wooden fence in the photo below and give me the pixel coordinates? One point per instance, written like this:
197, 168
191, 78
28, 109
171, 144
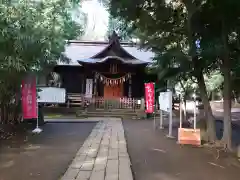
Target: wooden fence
101, 103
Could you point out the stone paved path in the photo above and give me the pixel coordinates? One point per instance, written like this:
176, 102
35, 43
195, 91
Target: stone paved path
103, 155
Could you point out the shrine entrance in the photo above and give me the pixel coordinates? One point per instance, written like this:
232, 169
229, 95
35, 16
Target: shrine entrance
114, 91
113, 88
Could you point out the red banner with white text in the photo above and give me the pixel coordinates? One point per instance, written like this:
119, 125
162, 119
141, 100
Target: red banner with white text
29, 98
149, 97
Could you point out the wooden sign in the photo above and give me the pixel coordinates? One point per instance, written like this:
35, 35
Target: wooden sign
189, 136
89, 88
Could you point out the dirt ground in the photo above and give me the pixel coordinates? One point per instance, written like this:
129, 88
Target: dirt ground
155, 157
45, 156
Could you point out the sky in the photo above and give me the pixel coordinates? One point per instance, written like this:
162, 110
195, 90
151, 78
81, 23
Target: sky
97, 17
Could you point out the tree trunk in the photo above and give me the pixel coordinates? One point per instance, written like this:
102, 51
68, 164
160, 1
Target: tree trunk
211, 130
227, 133
226, 69
2, 114
185, 109
235, 97
184, 101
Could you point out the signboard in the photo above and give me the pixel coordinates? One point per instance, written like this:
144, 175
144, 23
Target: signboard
139, 102
52, 95
89, 88
189, 136
165, 101
149, 97
29, 98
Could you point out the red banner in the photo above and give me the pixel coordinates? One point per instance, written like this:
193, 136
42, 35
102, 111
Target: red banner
29, 98
149, 97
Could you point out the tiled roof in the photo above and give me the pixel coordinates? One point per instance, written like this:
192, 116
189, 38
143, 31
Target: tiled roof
84, 50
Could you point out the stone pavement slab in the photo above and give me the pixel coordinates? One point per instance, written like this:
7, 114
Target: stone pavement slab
103, 156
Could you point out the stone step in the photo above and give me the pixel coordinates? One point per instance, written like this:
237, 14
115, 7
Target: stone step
110, 114
107, 112
114, 112
76, 111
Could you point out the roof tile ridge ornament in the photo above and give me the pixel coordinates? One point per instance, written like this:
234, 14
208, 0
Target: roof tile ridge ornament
114, 38
111, 57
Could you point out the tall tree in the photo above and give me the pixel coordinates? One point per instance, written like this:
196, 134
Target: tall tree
34, 35
125, 32
115, 24
169, 28
220, 20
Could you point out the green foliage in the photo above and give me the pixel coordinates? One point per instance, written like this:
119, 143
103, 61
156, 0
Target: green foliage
33, 37
34, 34
161, 29
117, 25
214, 81
170, 29
186, 88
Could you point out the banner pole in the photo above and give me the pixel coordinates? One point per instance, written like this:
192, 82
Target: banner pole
161, 114
180, 110
37, 130
170, 124
37, 116
154, 121
195, 115
161, 119
170, 117
154, 108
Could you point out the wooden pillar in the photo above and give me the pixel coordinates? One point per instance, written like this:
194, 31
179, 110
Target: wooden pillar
130, 87
83, 84
142, 104
95, 86
238, 151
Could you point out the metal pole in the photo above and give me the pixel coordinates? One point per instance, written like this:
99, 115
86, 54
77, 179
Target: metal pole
154, 121
37, 129
195, 115
170, 115
170, 124
161, 120
180, 110
161, 115
37, 116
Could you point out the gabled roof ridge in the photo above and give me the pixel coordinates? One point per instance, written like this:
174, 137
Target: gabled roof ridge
84, 42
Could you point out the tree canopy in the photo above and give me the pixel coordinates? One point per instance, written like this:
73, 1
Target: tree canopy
192, 39
33, 37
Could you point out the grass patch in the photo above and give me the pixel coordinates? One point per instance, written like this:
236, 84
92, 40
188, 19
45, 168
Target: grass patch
53, 116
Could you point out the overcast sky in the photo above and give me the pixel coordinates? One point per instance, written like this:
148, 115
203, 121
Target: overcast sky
97, 20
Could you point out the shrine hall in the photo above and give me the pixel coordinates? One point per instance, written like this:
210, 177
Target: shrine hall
110, 69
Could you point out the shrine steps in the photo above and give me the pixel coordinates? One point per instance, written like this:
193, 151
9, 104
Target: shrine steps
121, 113
78, 112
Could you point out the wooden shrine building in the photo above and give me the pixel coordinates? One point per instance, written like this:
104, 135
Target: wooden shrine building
110, 70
